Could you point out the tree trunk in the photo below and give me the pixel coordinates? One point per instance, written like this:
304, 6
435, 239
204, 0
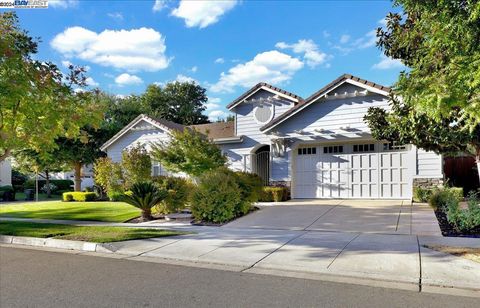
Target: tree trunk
477, 160
47, 183
147, 215
78, 176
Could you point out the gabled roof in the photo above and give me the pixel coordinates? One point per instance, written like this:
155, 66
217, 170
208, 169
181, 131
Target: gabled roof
371, 86
159, 123
216, 130
263, 85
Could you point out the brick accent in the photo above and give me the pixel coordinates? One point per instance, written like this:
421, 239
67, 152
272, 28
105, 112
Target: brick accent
428, 182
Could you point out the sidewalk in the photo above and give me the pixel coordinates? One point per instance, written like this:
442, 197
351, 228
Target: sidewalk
386, 259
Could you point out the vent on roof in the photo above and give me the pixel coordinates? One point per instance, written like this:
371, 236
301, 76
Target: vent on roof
263, 113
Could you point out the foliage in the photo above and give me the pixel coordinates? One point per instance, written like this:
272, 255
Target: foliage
7, 193
49, 188
440, 199
179, 102
61, 184
421, 194
40, 105
136, 165
179, 190
97, 234
108, 175
440, 42
465, 220
18, 180
274, 194
216, 197
79, 196
250, 186
189, 152
145, 195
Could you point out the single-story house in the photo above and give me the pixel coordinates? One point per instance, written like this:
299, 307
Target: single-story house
5, 172
320, 146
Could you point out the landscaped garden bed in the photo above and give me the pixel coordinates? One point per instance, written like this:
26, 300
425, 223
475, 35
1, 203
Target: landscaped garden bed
97, 234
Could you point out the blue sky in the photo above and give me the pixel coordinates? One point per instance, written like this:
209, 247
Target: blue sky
225, 46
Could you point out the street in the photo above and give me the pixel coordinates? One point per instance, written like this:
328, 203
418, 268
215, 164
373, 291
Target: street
50, 279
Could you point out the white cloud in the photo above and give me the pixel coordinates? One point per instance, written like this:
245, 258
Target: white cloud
202, 13
183, 78
270, 66
326, 34
91, 82
159, 5
133, 50
63, 4
368, 40
194, 69
311, 54
216, 114
387, 63
66, 63
383, 22
116, 16
344, 38
127, 79
213, 103
219, 60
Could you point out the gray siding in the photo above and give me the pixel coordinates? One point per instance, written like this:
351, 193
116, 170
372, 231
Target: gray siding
5, 172
429, 164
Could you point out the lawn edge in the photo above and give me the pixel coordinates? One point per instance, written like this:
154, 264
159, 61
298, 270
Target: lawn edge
55, 243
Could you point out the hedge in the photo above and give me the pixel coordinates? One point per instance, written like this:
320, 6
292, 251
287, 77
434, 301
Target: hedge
274, 194
61, 184
7, 193
79, 196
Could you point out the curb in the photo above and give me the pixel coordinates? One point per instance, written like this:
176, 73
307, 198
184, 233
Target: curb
54, 243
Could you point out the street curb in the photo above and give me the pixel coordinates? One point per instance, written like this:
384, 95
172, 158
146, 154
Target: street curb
54, 243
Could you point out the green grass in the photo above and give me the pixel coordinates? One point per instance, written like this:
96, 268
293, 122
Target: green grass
98, 211
20, 196
88, 234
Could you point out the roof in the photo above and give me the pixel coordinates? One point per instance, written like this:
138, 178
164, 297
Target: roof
257, 87
216, 130
321, 92
159, 123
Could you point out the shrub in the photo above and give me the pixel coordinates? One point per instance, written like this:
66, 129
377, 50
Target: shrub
60, 184
144, 196
108, 175
465, 220
179, 190
115, 195
422, 194
216, 197
274, 194
7, 193
441, 198
457, 192
250, 186
136, 165
53, 188
79, 196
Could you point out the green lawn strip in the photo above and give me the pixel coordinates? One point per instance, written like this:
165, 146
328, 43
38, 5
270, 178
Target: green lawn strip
97, 234
20, 196
90, 211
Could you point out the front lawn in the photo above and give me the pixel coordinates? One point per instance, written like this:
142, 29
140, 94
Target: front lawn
98, 211
20, 196
88, 234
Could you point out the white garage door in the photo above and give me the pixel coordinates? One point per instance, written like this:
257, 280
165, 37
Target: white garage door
367, 170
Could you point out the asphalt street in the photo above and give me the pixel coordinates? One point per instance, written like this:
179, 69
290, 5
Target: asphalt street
33, 278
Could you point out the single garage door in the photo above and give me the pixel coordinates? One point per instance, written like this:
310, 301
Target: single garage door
364, 170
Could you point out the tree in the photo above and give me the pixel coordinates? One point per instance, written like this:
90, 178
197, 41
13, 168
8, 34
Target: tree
189, 152
108, 175
179, 102
38, 104
144, 195
440, 42
136, 165
436, 103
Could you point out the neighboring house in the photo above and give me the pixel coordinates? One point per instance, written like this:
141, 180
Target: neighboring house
5, 173
86, 173
320, 147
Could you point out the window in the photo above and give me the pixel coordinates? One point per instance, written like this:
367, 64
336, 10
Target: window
393, 146
263, 113
333, 149
157, 168
307, 151
363, 147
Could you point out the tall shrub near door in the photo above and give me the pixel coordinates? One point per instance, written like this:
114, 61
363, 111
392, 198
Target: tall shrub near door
136, 165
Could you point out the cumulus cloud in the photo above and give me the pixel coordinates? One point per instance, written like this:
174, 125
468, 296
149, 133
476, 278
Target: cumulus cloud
66, 63
183, 78
311, 53
159, 5
270, 66
63, 4
216, 115
387, 63
127, 80
202, 13
213, 103
91, 82
219, 60
194, 69
133, 50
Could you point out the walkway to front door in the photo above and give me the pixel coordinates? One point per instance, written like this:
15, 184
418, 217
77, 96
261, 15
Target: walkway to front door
370, 216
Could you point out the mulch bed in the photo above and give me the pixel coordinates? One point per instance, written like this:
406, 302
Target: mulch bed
449, 230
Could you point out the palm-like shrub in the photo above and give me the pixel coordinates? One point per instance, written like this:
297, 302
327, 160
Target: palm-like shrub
144, 195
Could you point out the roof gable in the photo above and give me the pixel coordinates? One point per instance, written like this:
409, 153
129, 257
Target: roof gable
266, 87
158, 123
324, 92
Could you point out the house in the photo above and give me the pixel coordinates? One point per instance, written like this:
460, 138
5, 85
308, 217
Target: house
320, 146
5, 172
86, 175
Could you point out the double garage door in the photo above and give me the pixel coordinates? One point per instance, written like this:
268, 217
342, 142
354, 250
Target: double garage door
369, 170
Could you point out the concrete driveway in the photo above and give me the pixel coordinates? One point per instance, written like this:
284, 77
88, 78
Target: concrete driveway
369, 216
